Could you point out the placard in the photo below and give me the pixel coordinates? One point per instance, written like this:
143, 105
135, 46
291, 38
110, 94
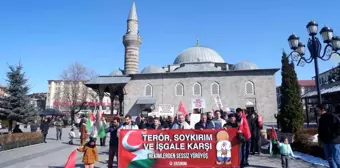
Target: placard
194, 118
198, 103
179, 148
166, 110
218, 101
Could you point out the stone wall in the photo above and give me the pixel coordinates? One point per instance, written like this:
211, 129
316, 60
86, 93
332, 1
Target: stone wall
232, 90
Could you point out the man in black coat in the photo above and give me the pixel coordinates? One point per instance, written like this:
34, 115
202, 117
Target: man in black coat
44, 126
204, 123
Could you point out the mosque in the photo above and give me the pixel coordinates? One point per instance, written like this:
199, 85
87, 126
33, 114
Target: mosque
199, 78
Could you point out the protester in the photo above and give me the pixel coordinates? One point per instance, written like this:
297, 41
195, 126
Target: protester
329, 135
244, 147
103, 139
146, 123
83, 133
34, 126
59, 128
71, 135
231, 121
17, 129
255, 129
129, 124
187, 118
171, 123
204, 123
113, 150
218, 121
157, 124
286, 152
90, 153
44, 126
182, 124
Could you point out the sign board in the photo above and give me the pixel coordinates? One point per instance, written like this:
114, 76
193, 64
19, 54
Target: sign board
166, 110
179, 148
198, 103
194, 118
218, 101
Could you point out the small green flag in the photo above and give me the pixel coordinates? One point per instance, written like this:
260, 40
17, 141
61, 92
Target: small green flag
102, 132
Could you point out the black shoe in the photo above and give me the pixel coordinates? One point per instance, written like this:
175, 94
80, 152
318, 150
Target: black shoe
45, 142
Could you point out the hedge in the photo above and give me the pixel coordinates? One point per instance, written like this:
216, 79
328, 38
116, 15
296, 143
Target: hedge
10, 141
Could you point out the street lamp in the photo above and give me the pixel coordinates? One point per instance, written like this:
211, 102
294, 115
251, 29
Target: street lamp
314, 47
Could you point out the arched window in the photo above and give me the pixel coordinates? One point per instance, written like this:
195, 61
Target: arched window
197, 89
148, 90
215, 88
250, 88
179, 89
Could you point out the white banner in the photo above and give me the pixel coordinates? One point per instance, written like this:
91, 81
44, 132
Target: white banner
218, 101
194, 118
166, 110
198, 103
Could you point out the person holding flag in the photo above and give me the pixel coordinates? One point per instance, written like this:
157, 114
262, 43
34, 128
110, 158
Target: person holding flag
83, 133
244, 136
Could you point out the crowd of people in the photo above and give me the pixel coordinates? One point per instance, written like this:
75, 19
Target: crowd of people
209, 120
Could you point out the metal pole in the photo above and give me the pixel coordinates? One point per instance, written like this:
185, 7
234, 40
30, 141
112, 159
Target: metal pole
316, 67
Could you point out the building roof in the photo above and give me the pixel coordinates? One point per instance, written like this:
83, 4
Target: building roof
197, 68
3, 86
116, 73
306, 82
198, 54
133, 12
153, 69
244, 65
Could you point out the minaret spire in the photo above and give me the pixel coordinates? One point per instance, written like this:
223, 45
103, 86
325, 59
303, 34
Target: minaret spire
133, 12
132, 42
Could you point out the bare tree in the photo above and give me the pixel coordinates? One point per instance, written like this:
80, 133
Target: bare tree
74, 92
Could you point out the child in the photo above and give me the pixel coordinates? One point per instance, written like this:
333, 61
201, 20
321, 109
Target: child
72, 135
90, 153
285, 151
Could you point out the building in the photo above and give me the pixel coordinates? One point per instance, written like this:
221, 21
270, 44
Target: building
330, 91
199, 77
305, 86
57, 97
2, 89
38, 100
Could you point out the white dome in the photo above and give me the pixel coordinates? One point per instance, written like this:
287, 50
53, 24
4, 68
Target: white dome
116, 73
198, 54
153, 69
244, 65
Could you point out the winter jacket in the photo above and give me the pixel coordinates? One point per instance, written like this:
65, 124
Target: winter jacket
208, 125
90, 154
329, 128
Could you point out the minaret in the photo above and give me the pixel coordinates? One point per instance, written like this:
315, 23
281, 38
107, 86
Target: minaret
132, 41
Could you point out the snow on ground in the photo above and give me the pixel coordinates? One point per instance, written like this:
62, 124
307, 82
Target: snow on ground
311, 159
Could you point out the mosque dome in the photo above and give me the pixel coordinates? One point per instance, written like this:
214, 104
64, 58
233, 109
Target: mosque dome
244, 65
153, 69
198, 54
116, 73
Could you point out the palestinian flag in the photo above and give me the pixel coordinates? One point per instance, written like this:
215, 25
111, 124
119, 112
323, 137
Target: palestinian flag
134, 153
90, 120
100, 125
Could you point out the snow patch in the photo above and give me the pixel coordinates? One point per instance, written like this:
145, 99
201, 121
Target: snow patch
311, 159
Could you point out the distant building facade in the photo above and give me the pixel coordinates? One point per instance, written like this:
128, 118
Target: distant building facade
3, 89
56, 97
305, 86
38, 100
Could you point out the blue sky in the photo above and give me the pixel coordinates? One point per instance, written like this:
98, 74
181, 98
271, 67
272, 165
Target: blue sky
48, 35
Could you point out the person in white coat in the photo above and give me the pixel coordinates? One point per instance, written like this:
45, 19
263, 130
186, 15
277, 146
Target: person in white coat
182, 124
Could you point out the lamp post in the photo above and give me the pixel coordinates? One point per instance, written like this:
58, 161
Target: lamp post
314, 46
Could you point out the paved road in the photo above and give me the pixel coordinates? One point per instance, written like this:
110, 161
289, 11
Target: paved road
54, 153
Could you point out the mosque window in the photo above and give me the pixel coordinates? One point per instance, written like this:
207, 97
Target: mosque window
197, 89
148, 90
249, 88
215, 88
179, 89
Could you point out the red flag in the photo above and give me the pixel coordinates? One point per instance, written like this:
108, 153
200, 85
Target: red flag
92, 118
182, 109
260, 120
274, 135
244, 127
71, 162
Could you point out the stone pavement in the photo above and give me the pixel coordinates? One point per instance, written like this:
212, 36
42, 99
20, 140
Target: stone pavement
54, 154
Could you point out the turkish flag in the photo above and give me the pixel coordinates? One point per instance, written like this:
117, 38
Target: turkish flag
244, 127
260, 120
181, 108
71, 162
